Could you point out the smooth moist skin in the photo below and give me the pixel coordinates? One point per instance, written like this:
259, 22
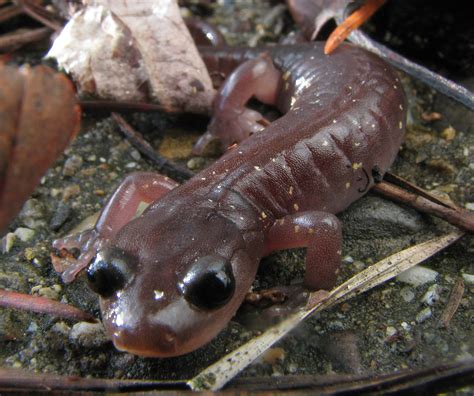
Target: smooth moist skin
173, 277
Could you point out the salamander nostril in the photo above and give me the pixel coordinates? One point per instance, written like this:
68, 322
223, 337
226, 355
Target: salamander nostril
106, 277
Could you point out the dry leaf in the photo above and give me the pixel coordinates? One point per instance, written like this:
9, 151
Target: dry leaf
135, 51
38, 118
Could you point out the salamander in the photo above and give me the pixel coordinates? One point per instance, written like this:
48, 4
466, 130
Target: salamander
171, 278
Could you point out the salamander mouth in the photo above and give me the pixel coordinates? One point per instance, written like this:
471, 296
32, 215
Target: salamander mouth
162, 343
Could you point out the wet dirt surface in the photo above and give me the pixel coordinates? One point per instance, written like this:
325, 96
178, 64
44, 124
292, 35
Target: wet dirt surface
392, 327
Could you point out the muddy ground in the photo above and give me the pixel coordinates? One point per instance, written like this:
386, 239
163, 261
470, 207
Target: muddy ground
395, 326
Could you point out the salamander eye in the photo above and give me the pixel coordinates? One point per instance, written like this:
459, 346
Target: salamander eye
210, 283
107, 277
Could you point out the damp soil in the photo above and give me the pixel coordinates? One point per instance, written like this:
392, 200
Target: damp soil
394, 326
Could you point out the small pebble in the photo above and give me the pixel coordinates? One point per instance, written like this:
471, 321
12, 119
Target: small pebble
71, 191
359, 265
88, 335
135, 155
423, 315
407, 294
61, 328
7, 242
390, 331
24, 234
418, 276
195, 163
348, 260
72, 165
62, 213
32, 214
431, 296
468, 278
131, 165
91, 158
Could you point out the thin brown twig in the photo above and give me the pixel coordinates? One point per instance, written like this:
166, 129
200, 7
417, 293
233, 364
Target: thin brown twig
120, 106
9, 12
19, 38
459, 217
136, 139
405, 184
40, 14
453, 303
27, 302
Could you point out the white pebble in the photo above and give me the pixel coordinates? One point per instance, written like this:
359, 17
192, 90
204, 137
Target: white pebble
431, 296
418, 276
407, 294
468, 278
24, 234
423, 315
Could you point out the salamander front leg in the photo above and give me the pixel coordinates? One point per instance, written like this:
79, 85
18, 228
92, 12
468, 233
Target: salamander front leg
321, 234
233, 121
120, 208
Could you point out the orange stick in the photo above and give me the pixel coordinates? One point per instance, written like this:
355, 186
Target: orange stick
351, 23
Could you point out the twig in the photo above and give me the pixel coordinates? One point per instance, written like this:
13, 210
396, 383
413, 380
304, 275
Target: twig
429, 380
144, 147
9, 12
19, 379
405, 184
20, 38
40, 14
27, 302
440, 83
453, 303
120, 106
462, 218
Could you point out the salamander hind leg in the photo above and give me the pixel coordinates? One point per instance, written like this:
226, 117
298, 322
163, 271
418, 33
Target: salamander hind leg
321, 234
120, 208
233, 121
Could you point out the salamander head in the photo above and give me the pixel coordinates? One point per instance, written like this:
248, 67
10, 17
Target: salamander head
169, 283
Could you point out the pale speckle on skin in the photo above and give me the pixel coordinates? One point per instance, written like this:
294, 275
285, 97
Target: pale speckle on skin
356, 165
339, 252
400, 125
264, 215
290, 191
357, 144
337, 271
158, 294
348, 185
203, 178
296, 206
401, 107
311, 231
257, 168
325, 143
334, 121
297, 228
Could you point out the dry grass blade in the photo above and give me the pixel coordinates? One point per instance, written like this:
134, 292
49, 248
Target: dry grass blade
221, 372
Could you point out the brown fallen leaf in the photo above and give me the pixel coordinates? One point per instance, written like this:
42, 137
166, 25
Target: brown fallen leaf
38, 118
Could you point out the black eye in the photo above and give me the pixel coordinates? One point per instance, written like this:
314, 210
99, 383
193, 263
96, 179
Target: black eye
210, 283
106, 277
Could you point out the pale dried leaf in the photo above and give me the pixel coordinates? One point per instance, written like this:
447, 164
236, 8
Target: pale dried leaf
135, 50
